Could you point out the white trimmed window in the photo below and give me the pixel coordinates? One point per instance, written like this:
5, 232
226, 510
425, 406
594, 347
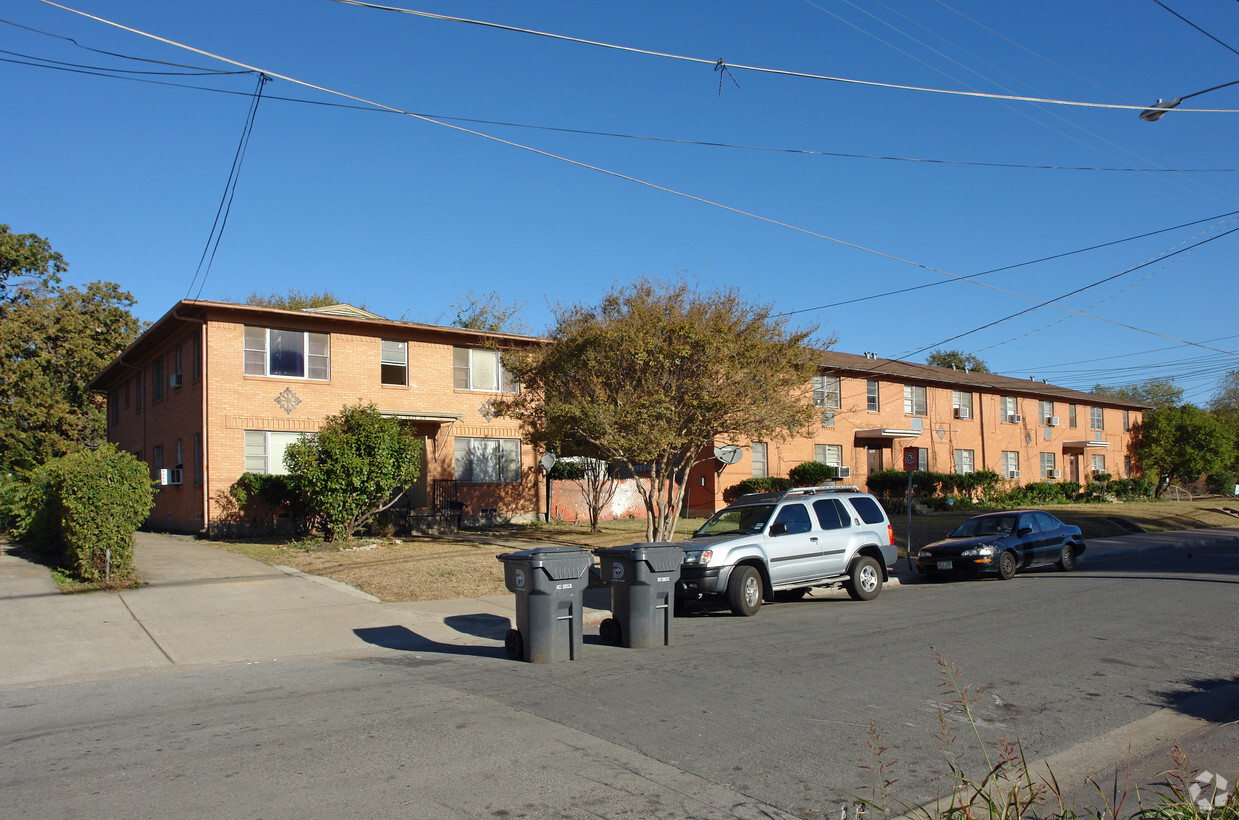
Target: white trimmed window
872, 398
964, 461
1047, 465
1010, 464
759, 460
830, 454
294, 354
264, 451
1097, 419
961, 404
477, 369
1099, 463
826, 391
914, 401
1047, 412
1008, 408
394, 362
488, 460
1071, 416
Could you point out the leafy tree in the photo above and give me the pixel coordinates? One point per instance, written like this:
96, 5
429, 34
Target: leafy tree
293, 299
27, 263
811, 474
1225, 408
958, 359
1159, 393
1182, 443
488, 313
53, 340
593, 478
356, 466
653, 375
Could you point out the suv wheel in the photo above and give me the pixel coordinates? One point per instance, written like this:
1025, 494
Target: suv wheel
744, 591
866, 580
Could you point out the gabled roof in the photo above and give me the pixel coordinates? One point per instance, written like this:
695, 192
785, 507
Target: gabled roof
896, 370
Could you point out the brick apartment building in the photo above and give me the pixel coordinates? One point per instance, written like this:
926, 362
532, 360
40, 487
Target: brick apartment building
212, 390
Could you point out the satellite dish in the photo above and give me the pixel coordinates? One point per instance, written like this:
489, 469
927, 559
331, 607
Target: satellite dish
547, 461
728, 453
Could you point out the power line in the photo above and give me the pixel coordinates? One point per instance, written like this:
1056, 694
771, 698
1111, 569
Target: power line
715, 63
615, 174
230, 190
1193, 25
101, 71
109, 53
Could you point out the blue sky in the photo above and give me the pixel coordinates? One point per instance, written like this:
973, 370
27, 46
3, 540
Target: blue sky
407, 216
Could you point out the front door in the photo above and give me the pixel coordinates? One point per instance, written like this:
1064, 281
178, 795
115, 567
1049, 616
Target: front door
875, 458
792, 546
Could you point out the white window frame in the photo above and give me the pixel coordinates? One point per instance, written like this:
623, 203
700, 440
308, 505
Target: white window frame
393, 354
1010, 406
315, 366
470, 465
828, 454
873, 396
1098, 462
468, 372
962, 400
826, 391
965, 461
1010, 462
911, 393
1046, 408
1097, 418
1047, 465
759, 455
264, 450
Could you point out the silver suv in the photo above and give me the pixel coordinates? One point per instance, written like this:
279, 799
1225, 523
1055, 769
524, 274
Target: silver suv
776, 546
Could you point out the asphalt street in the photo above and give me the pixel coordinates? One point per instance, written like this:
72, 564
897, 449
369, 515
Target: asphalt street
308, 700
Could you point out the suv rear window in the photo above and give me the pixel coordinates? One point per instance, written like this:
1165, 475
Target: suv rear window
869, 510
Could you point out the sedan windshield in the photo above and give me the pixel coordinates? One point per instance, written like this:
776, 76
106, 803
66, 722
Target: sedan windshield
735, 520
986, 525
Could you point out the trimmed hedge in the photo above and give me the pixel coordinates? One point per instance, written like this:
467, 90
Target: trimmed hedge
770, 484
810, 474
82, 510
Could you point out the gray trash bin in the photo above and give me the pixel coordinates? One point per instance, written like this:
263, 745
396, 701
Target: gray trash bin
642, 578
549, 584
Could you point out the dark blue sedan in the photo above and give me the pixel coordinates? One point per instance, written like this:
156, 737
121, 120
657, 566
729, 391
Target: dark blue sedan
1002, 544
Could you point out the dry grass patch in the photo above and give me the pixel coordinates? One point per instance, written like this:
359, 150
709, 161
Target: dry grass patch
464, 565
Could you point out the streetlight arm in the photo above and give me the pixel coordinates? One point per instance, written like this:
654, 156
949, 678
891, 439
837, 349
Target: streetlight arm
1158, 109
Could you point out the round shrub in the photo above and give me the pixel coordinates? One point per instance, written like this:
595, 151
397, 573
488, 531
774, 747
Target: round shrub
811, 474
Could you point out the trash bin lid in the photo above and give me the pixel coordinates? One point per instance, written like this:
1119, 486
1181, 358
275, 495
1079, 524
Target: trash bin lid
661, 556
559, 563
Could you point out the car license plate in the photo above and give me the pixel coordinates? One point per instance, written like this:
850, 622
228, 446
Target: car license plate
944, 565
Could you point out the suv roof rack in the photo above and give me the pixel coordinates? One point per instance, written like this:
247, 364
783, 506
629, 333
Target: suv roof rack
753, 498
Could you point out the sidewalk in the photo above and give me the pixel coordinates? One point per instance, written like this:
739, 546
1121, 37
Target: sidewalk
202, 606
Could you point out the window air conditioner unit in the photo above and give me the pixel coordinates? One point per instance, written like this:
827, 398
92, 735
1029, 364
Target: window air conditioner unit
843, 472
1015, 418
1052, 421
1013, 474
175, 380
962, 413
1056, 474
170, 478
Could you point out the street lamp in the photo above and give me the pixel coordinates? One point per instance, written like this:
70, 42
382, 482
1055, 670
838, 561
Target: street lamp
1158, 109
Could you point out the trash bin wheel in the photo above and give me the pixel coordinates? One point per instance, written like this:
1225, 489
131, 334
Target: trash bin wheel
609, 632
514, 645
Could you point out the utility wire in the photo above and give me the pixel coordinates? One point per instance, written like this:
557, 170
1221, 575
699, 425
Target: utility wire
230, 190
1009, 267
195, 72
1193, 25
110, 53
615, 174
714, 63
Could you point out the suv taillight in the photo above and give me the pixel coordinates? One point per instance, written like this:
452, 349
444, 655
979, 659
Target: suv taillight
890, 533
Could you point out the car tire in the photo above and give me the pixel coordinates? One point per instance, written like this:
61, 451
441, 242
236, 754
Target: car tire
1067, 559
609, 632
1007, 565
514, 645
744, 591
935, 577
788, 596
865, 583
